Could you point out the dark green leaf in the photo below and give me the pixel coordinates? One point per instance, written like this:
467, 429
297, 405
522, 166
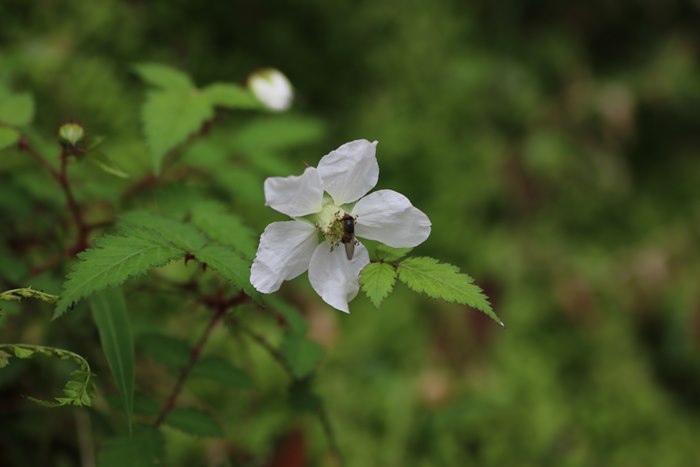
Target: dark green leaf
226, 228
114, 327
302, 354
112, 261
230, 265
220, 370
143, 449
194, 422
180, 234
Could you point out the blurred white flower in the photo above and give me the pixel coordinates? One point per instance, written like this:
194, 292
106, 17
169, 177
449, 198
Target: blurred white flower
317, 200
272, 88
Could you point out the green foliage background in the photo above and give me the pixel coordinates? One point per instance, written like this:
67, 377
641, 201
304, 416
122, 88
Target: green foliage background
554, 146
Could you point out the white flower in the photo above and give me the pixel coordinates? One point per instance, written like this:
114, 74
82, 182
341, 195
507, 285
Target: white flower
317, 200
272, 88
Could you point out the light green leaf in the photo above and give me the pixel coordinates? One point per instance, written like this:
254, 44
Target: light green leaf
278, 132
194, 422
17, 109
114, 327
111, 262
377, 281
163, 76
166, 350
78, 390
170, 117
302, 354
224, 227
143, 449
27, 292
179, 234
231, 95
99, 159
444, 281
8, 137
387, 253
230, 265
220, 370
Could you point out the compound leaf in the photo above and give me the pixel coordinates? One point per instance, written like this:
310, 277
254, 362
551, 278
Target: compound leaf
377, 281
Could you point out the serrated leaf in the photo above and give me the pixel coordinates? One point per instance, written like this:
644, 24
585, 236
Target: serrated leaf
377, 281
170, 117
114, 327
143, 449
8, 137
302, 353
180, 234
278, 132
27, 292
231, 95
194, 422
444, 281
112, 261
17, 109
163, 76
226, 228
230, 265
78, 390
387, 253
166, 350
220, 370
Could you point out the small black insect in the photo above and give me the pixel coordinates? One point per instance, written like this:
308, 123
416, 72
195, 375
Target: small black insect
348, 238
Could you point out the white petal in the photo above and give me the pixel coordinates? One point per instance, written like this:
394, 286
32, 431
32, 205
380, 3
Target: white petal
284, 252
272, 88
389, 217
335, 278
295, 196
350, 171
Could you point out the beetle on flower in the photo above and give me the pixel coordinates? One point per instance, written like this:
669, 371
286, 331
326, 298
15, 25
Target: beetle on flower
320, 201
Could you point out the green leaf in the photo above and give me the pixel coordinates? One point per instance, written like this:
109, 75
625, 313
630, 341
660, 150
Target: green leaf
194, 422
387, 253
27, 292
302, 354
181, 235
166, 350
163, 76
111, 262
99, 159
114, 327
143, 449
220, 370
278, 132
230, 95
8, 137
17, 109
444, 281
170, 117
291, 315
226, 228
377, 281
230, 265
78, 390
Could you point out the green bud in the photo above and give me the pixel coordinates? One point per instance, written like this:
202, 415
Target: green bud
70, 134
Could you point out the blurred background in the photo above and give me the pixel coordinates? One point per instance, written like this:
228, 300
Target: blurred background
554, 146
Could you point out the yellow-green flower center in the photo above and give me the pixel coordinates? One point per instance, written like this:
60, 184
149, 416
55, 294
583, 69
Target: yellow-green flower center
329, 220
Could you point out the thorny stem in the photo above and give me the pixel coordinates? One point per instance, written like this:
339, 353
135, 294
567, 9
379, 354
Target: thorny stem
282, 360
220, 305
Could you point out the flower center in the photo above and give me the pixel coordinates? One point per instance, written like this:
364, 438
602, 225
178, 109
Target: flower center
330, 220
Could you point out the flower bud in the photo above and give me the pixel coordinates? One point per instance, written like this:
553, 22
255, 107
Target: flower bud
271, 88
70, 134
